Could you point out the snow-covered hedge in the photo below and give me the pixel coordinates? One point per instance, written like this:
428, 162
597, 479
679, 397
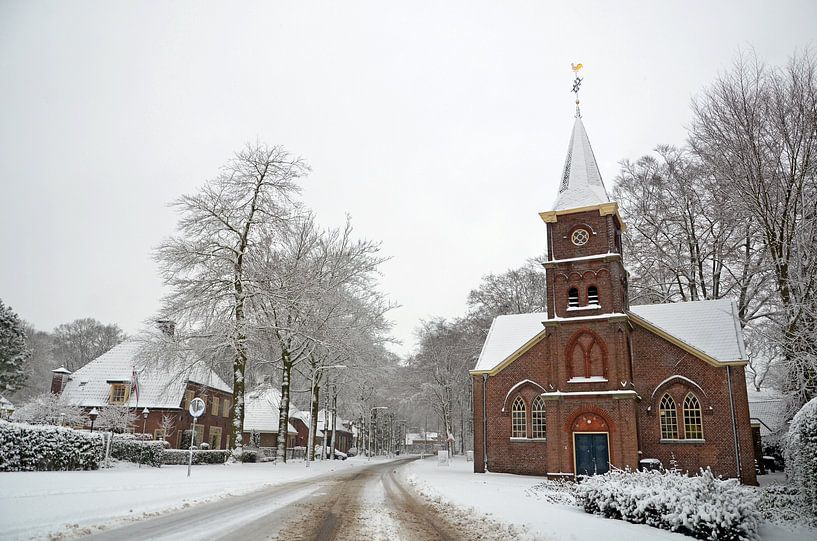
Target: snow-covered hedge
801, 454
180, 456
139, 451
25, 447
701, 506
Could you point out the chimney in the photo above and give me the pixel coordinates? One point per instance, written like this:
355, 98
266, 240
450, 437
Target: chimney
60, 377
167, 326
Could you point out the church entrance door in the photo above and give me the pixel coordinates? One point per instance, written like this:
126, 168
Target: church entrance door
591, 453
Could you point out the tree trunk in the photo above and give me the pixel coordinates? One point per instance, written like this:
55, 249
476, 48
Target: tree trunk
313, 420
283, 413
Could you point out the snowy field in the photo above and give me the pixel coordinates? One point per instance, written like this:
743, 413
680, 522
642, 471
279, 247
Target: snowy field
42, 504
509, 505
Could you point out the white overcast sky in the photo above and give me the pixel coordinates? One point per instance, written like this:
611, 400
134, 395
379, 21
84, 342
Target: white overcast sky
440, 127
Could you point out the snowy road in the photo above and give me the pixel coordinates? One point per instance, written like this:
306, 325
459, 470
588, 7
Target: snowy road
369, 502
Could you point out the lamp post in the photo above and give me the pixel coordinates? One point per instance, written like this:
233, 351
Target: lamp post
371, 415
93, 414
145, 413
311, 439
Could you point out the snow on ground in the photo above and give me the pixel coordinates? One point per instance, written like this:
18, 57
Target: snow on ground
508, 502
38, 504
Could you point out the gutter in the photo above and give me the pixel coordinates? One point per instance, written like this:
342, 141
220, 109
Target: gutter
734, 423
484, 425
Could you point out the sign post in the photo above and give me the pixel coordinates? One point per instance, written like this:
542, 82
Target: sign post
196, 408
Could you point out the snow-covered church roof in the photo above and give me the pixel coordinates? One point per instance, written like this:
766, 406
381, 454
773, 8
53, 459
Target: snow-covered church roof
262, 410
710, 329
581, 184
161, 384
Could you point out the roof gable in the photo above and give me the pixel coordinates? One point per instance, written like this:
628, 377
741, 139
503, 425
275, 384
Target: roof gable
509, 336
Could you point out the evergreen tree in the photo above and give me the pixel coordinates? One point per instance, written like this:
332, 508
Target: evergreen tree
14, 350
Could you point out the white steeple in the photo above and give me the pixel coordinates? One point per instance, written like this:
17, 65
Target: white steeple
581, 184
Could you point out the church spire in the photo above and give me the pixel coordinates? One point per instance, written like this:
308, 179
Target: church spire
581, 184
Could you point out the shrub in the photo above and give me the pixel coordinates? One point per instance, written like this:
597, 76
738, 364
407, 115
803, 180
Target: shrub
137, 450
801, 454
248, 456
26, 447
701, 506
180, 456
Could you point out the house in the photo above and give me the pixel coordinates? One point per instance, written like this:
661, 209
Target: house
165, 389
6, 408
343, 432
261, 417
595, 383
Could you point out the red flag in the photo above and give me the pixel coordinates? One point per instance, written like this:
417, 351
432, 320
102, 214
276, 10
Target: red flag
134, 384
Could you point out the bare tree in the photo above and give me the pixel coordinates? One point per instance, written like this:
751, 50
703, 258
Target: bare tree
222, 227
756, 128
79, 342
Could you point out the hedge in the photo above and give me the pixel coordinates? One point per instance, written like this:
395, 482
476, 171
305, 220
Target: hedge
139, 451
700, 506
25, 447
181, 456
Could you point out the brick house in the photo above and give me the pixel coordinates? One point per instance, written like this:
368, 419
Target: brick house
262, 414
593, 382
165, 389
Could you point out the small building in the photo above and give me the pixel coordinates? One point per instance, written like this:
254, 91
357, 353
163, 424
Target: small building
343, 432
595, 383
262, 418
164, 388
6, 408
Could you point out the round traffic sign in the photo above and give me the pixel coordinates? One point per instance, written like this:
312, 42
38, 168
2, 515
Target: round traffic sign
196, 407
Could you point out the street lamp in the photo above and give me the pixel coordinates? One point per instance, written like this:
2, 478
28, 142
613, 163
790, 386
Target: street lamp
93, 414
145, 413
371, 414
311, 439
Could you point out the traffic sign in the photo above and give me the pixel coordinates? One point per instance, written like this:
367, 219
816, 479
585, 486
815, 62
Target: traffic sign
196, 407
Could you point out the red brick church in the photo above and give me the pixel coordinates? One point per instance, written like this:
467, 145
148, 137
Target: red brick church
596, 383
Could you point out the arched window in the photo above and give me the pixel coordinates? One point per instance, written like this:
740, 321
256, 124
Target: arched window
519, 425
573, 298
586, 356
538, 418
592, 295
693, 424
669, 418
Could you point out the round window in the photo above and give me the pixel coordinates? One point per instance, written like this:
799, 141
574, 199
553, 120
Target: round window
580, 237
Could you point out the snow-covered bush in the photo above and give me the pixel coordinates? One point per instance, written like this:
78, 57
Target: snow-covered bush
25, 447
700, 506
115, 418
181, 456
801, 454
559, 492
136, 450
49, 409
248, 455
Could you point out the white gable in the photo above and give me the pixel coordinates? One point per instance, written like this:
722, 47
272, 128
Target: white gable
711, 327
161, 384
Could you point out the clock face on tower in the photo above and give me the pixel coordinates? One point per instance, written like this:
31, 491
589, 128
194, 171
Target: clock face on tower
580, 237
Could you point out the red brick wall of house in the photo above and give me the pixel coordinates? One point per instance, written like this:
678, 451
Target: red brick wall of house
656, 360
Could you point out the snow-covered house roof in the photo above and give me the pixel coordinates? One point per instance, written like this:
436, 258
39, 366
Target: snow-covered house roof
325, 421
262, 410
581, 184
772, 410
708, 329
5, 404
161, 384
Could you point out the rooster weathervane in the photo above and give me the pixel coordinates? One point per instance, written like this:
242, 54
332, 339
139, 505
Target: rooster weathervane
577, 83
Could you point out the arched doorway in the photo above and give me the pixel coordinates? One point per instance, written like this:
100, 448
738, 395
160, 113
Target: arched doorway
591, 444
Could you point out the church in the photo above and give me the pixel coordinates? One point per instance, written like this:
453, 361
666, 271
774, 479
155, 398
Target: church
595, 383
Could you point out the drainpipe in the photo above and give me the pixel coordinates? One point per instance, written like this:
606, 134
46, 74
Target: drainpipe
484, 425
734, 423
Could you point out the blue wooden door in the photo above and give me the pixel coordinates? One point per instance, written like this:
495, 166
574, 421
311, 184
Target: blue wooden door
592, 455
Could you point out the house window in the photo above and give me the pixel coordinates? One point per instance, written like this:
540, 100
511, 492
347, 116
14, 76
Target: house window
214, 407
573, 298
188, 397
226, 408
538, 418
519, 428
669, 418
592, 295
215, 437
159, 434
693, 424
120, 392
580, 237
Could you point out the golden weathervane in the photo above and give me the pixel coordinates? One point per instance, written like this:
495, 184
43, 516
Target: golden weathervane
577, 83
